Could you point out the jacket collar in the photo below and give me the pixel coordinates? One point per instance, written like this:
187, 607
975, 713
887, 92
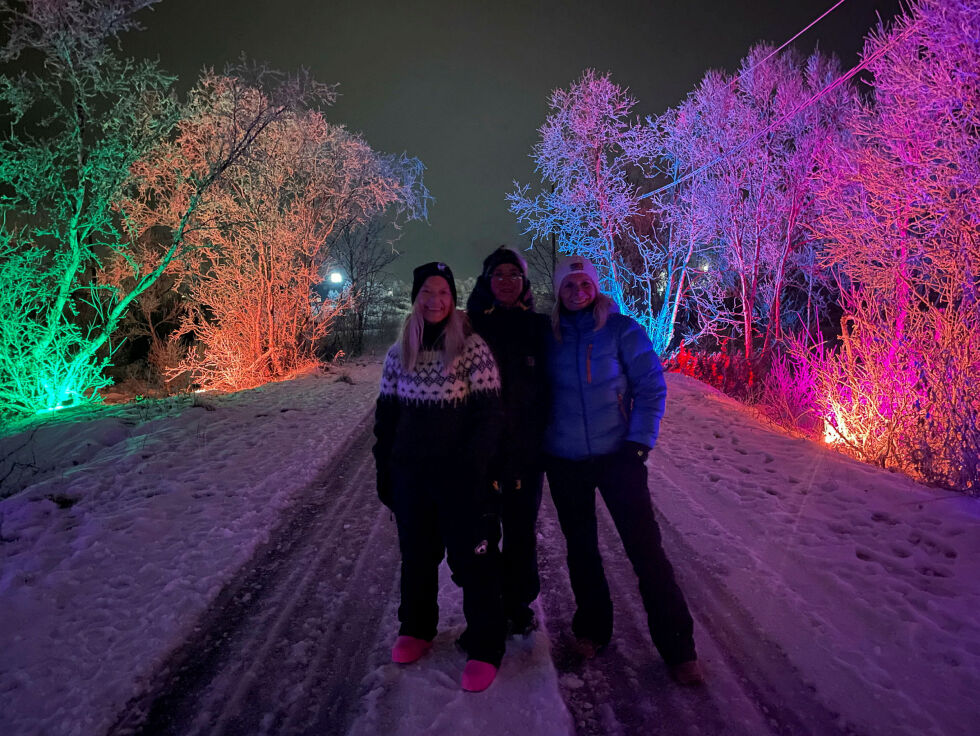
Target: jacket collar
581, 321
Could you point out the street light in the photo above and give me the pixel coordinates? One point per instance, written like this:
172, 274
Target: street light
336, 277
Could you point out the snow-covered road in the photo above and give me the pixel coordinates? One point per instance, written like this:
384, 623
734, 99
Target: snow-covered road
172, 569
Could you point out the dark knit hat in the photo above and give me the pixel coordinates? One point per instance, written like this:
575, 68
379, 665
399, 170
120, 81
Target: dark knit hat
435, 268
503, 255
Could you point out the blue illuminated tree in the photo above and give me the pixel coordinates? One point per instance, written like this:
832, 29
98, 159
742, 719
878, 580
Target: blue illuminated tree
590, 156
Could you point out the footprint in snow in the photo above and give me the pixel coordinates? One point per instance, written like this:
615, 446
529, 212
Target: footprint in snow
880, 516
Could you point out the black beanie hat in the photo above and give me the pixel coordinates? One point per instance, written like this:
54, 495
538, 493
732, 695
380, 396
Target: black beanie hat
435, 268
502, 255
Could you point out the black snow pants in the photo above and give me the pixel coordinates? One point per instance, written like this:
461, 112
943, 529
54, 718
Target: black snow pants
436, 516
622, 481
520, 501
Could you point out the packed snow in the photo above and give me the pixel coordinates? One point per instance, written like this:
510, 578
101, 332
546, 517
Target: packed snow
128, 520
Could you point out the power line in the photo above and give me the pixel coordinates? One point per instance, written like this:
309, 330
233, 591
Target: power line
799, 108
787, 43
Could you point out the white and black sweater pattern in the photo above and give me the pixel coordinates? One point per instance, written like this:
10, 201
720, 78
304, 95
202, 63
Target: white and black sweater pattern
472, 371
434, 413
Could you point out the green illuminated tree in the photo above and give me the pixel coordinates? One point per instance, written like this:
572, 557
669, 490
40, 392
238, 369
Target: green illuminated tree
77, 126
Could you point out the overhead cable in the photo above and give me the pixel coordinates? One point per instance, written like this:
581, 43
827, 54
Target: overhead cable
799, 108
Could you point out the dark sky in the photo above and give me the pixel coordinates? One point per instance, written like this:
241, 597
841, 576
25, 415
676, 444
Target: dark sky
464, 85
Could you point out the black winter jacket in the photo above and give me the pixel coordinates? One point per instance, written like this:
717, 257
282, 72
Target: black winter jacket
518, 338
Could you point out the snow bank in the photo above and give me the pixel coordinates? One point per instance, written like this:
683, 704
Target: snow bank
136, 517
869, 582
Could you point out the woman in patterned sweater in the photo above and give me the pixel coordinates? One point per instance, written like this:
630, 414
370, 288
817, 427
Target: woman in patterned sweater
437, 422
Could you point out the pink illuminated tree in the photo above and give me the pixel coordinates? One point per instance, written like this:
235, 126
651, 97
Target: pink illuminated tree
900, 216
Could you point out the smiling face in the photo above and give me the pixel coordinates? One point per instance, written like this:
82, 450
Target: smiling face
435, 299
577, 292
507, 283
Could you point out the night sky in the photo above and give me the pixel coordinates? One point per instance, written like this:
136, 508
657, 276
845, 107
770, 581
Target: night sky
464, 85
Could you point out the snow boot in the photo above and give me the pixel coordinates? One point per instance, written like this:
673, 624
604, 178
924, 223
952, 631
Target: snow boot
408, 649
478, 675
687, 673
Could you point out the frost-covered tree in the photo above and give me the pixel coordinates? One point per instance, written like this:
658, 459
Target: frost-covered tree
259, 238
900, 217
684, 232
363, 251
589, 150
746, 146
72, 131
79, 128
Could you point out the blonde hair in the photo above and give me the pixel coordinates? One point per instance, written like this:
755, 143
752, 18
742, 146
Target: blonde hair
602, 305
454, 335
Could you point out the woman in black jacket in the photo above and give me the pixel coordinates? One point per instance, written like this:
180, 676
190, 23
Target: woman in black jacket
437, 423
501, 309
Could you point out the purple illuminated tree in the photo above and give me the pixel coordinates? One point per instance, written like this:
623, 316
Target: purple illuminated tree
745, 147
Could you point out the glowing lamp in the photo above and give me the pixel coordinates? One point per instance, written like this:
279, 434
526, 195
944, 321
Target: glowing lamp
336, 277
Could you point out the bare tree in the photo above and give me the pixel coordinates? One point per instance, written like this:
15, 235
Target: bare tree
900, 228
260, 237
71, 176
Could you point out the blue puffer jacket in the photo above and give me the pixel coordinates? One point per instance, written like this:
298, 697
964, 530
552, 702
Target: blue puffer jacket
607, 387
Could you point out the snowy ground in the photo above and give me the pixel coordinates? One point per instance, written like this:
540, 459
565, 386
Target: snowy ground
801, 566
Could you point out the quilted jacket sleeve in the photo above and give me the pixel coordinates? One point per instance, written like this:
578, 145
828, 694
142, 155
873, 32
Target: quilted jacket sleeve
648, 390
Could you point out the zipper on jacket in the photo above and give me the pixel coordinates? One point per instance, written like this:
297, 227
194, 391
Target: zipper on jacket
588, 364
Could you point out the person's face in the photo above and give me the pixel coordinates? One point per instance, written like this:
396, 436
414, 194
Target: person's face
506, 284
577, 292
435, 299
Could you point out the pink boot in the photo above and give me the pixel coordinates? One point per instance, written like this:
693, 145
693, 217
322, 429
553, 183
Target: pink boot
478, 675
407, 649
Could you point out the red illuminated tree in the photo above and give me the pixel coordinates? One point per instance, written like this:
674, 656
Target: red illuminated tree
258, 239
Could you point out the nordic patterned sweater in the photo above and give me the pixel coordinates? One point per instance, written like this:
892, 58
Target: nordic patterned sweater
445, 419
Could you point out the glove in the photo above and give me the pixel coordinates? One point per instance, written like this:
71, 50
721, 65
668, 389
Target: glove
634, 450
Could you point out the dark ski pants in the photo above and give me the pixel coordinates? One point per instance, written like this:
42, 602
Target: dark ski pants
622, 481
520, 501
436, 516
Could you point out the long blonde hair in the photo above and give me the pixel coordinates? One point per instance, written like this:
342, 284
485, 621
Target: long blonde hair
602, 305
454, 335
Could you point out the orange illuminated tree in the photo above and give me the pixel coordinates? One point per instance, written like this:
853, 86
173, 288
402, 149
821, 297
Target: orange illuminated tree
259, 239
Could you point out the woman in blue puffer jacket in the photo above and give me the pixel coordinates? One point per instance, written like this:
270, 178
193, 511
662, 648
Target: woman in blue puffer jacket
608, 397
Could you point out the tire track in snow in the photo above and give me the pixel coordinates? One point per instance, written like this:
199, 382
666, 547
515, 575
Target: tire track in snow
752, 688
285, 645
626, 689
